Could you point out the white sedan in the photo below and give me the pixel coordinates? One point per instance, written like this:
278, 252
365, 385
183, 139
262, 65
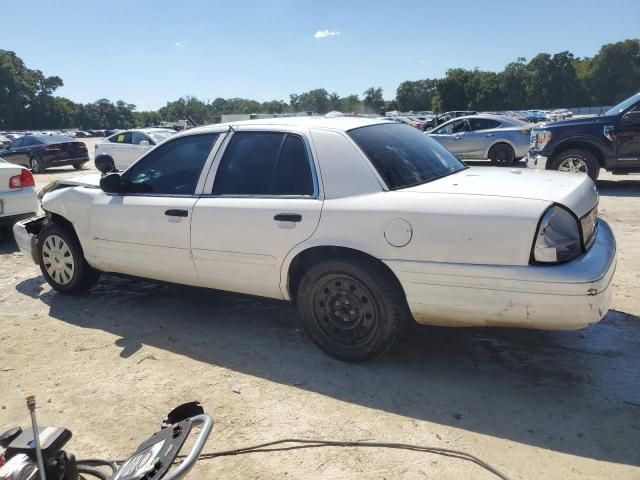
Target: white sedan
123, 148
18, 197
364, 224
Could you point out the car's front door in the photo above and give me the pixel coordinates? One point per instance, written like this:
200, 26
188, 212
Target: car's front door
146, 230
451, 135
628, 137
16, 152
264, 200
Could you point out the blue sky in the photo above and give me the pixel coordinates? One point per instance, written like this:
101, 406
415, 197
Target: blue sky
149, 52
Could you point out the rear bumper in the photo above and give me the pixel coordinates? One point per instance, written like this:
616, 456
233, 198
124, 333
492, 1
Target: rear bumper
538, 162
26, 235
59, 162
17, 204
557, 297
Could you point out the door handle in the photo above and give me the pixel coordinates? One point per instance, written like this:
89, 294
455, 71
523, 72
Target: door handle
176, 212
489, 135
457, 138
288, 217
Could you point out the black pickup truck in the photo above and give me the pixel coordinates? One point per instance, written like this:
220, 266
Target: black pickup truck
610, 141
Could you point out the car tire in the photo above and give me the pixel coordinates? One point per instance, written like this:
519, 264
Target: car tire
502, 155
78, 166
62, 261
35, 165
576, 160
353, 310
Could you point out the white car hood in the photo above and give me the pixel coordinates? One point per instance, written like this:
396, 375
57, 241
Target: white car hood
575, 191
91, 180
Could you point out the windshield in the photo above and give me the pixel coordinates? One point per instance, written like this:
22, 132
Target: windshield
403, 156
623, 105
160, 136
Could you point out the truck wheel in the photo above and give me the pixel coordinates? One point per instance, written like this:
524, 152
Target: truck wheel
576, 160
352, 309
62, 261
502, 155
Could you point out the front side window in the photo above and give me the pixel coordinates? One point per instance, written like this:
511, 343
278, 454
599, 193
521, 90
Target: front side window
403, 156
264, 163
137, 137
172, 168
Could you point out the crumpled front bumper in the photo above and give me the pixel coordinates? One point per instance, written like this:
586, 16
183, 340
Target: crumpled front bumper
537, 162
26, 235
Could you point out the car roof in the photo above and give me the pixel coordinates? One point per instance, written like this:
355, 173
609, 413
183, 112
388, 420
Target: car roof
336, 123
52, 138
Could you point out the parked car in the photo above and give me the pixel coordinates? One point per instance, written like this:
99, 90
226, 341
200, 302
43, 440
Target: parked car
536, 116
501, 139
18, 198
4, 141
445, 117
585, 145
364, 224
560, 114
39, 152
121, 149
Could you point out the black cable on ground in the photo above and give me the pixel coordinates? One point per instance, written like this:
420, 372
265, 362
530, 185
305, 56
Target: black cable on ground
93, 472
305, 443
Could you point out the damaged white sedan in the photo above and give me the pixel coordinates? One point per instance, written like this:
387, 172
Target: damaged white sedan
364, 224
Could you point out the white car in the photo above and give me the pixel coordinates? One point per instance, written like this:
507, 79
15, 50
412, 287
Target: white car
18, 197
364, 224
123, 148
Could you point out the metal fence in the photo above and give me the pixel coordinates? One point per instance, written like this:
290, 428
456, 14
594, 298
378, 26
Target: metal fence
589, 110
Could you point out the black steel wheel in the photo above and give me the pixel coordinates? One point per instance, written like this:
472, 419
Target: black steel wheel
502, 155
353, 310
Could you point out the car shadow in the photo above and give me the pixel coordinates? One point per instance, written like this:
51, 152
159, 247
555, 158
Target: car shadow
574, 392
619, 188
7, 242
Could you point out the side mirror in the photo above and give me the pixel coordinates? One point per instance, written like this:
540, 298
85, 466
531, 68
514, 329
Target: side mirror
112, 183
144, 143
104, 163
631, 118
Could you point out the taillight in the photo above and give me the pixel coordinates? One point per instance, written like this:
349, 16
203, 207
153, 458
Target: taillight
24, 180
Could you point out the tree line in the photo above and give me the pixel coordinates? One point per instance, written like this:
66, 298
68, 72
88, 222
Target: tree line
28, 100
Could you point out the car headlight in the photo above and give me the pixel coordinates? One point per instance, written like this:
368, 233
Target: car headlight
558, 237
540, 139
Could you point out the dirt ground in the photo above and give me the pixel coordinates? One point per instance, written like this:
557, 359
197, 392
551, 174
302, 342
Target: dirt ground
536, 405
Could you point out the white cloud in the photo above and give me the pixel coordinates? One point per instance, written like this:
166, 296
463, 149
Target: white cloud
181, 43
326, 33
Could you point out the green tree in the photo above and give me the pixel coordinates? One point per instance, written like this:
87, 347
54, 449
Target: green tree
416, 95
373, 101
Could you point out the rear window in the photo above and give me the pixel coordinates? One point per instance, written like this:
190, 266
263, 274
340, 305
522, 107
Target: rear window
403, 156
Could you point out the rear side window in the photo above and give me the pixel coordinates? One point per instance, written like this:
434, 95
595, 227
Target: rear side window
172, 168
403, 156
264, 163
483, 123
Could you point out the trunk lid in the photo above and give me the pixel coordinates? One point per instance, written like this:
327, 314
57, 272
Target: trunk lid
575, 191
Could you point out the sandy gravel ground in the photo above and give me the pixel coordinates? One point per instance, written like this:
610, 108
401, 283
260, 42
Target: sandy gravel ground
537, 405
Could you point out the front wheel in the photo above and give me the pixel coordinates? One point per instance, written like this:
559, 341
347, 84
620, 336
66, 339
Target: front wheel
62, 261
353, 310
576, 160
78, 166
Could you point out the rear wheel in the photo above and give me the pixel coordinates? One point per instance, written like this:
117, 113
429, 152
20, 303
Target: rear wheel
62, 261
502, 155
576, 160
352, 309
35, 165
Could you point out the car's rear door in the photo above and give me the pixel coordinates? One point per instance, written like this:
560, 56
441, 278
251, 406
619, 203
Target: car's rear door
120, 150
146, 231
479, 138
451, 136
264, 200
